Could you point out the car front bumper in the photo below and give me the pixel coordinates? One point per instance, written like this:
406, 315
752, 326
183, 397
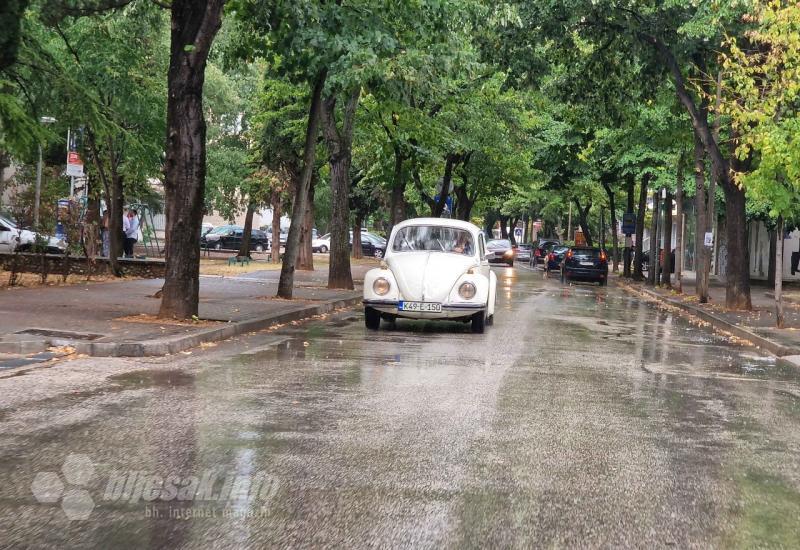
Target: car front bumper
449, 311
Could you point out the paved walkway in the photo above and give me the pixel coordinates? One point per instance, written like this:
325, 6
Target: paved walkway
761, 320
106, 312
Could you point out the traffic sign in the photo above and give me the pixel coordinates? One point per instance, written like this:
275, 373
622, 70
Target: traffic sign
628, 223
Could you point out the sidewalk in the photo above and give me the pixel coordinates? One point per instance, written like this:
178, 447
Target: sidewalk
117, 318
756, 326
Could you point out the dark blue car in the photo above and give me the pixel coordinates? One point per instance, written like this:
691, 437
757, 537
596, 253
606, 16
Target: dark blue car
555, 257
585, 264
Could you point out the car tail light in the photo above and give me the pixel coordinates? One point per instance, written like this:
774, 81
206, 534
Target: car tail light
552, 257
537, 252
603, 257
569, 253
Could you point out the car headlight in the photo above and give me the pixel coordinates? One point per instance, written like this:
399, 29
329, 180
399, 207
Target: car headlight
508, 254
467, 290
381, 286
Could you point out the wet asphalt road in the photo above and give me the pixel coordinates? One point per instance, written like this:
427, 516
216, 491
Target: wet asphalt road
582, 418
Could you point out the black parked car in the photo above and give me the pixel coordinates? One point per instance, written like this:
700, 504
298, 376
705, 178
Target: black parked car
229, 237
555, 257
585, 264
542, 249
371, 245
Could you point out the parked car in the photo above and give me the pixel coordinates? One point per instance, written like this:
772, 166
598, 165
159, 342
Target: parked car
524, 252
321, 244
555, 257
433, 269
500, 251
585, 264
542, 249
371, 244
229, 237
16, 239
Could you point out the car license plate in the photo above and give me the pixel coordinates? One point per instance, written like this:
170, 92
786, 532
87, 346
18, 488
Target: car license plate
420, 306
587, 264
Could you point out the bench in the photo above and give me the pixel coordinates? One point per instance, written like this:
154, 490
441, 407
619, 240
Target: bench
241, 260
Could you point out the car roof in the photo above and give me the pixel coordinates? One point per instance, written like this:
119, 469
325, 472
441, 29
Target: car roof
439, 222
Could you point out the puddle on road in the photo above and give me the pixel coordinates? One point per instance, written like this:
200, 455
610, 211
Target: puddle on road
153, 378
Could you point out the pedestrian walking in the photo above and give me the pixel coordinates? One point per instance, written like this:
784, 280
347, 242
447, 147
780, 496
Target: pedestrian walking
130, 226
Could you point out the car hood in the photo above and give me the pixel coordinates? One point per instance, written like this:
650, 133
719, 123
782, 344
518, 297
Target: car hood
428, 276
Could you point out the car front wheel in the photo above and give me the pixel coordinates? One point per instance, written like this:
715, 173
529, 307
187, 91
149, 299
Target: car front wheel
372, 318
218, 246
259, 248
378, 253
323, 249
479, 322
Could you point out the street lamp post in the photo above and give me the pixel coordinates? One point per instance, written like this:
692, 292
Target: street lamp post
37, 199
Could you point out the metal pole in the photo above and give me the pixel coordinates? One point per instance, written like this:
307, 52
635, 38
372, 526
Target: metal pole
38, 193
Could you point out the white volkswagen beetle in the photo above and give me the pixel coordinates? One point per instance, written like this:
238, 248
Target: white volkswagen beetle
433, 269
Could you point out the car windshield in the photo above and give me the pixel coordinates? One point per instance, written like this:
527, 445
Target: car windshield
498, 243
560, 249
434, 238
8, 223
586, 252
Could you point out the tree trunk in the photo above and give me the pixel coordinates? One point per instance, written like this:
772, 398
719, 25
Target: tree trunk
773, 242
638, 275
194, 26
286, 282
450, 162
115, 235
503, 227
737, 288
626, 268
275, 201
339, 143
583, 220
113, 189
612, 205
779, 317
701, 255
247, 232
666, 274
464, 202
398, 198
357, 252
679, 232
737, 292
305, 261
652, 277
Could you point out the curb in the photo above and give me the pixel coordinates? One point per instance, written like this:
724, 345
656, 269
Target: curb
720, 324
175, 344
